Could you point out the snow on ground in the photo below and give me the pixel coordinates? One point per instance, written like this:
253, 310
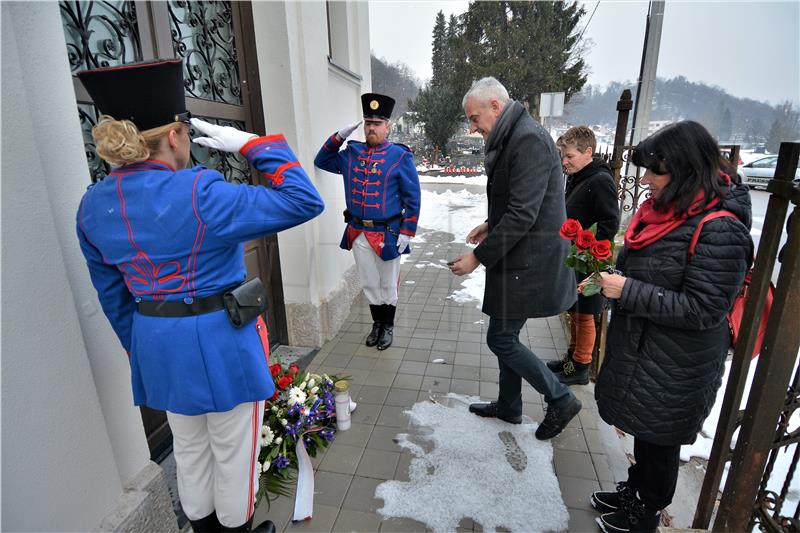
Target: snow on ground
466, 465
479, 179
457, 212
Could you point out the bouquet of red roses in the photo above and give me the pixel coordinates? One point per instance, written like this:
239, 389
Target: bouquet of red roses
587, 254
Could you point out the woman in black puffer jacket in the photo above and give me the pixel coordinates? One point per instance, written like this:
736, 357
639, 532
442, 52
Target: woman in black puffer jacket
668, 336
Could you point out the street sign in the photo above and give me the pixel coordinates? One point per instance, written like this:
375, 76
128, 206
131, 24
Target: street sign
551, 104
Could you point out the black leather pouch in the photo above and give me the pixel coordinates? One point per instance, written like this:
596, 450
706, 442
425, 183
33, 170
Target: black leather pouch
245, 302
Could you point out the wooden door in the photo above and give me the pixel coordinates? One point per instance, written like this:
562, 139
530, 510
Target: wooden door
217, 43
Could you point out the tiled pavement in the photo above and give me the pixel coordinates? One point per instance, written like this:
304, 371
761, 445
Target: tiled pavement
430, 326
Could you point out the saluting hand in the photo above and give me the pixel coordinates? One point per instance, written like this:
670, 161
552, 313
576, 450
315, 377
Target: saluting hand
345, 132
224, 138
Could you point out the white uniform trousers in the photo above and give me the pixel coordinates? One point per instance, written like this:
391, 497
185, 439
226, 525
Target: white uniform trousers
379, 278
217, 460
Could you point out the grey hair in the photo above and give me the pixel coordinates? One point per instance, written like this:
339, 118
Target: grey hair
486, 89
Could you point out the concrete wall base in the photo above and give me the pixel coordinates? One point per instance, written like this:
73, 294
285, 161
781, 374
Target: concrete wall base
313, 325
145, 505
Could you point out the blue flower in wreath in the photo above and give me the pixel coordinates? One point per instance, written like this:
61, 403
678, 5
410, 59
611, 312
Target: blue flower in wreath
327, 434
281, 461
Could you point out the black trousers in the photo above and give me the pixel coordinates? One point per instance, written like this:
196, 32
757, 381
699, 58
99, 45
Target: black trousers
655, 473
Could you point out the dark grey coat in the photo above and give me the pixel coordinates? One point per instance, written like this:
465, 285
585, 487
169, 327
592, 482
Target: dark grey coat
668, 335
523, 253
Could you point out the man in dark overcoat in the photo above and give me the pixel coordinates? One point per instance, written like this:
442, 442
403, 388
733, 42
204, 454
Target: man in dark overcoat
521, 249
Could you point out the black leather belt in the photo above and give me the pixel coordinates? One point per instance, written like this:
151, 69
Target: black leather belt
370, 223
185, 307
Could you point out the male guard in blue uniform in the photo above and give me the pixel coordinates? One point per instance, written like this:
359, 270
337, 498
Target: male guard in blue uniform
381, 188
164, 247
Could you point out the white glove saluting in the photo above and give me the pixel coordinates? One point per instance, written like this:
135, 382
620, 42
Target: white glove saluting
402, 242
223, 138
345, 132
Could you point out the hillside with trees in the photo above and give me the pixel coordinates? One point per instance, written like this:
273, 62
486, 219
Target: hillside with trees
395, 80
740, 120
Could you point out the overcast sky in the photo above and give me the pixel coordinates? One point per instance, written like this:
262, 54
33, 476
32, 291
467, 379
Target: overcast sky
751, 49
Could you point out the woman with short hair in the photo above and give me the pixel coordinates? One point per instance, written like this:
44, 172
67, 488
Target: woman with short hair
668, 335
591, 198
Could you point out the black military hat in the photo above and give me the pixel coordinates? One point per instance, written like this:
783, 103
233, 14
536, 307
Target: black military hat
377, 105
149, 93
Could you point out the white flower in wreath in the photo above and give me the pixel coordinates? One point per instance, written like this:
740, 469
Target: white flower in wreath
267, 436
274, 408
303, 385
296, 395
284, 421
278, 440
265, 467
311, 383
314, 391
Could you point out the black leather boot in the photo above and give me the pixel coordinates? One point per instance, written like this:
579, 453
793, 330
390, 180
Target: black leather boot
387, 332
264, 527
377, 319
208, 524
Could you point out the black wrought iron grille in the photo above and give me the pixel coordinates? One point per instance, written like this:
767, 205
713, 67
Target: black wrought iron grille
203, 35
97, 167
100, 34
772, 512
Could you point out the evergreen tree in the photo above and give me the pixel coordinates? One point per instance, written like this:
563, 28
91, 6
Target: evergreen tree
785, 126
725, 126
437, 107
531, 47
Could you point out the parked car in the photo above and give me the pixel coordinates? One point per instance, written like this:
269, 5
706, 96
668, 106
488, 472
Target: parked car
758, 173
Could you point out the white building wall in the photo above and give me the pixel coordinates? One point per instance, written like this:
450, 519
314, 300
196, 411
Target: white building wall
307, 98
71, 437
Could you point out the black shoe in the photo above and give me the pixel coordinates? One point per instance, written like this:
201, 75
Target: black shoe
244, 527
208, 524
265, 527
558, 365
387, 332
610, 501
377, 319
574, 373
555, 420
637, 518
489, 410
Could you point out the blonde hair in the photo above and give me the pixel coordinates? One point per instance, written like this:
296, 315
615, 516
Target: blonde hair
121, 143
582, 137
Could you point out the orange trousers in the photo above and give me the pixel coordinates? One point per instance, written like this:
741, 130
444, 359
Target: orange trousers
582, 335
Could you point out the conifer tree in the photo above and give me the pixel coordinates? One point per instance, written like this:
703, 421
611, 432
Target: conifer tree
531, 47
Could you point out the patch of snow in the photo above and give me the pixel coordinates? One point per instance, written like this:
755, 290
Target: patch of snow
472, 288
468, 474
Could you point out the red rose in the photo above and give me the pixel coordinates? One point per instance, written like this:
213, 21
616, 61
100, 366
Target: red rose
275, 396
284, 382
275, 370
569, 230
601, 250
584, 240
294, 369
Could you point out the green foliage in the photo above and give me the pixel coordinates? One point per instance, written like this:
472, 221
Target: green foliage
438, 108
531, 47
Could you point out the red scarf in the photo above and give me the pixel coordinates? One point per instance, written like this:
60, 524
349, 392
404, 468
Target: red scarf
648, 225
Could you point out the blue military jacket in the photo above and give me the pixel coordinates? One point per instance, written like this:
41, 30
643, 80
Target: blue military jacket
150, 231
379, 183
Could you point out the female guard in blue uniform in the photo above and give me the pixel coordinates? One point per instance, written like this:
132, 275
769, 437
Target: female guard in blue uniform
164, 244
